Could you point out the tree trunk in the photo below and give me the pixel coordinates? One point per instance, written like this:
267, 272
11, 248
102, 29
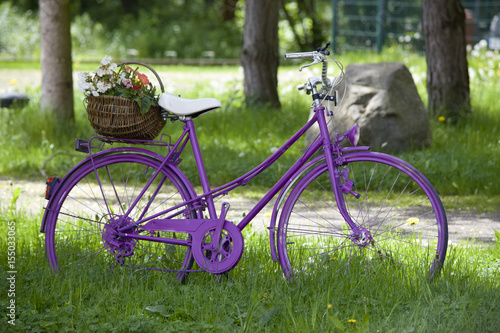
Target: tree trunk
260, 53
445, 48
57, 80
228, 10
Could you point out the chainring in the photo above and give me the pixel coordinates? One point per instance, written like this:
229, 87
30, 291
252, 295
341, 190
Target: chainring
228, 253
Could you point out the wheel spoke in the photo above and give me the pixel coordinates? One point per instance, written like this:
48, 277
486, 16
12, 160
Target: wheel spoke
402, 224
84, 219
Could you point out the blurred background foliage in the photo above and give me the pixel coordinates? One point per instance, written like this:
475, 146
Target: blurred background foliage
462, 160
124, 29
158, 28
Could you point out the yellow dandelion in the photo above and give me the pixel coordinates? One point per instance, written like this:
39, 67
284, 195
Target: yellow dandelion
330, 306
13, 82
265, 295
441, 119
351, 321
413, 220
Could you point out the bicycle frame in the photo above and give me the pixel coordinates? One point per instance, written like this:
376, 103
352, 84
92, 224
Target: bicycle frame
207, 198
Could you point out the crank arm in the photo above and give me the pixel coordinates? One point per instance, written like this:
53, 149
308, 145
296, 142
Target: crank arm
215, 243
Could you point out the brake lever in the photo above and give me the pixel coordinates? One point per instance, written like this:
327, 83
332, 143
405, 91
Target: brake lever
316, 61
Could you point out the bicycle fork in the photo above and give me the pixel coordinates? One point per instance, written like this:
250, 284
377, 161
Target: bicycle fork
341, 184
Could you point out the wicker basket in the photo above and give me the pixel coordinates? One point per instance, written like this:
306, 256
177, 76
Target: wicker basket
120, 117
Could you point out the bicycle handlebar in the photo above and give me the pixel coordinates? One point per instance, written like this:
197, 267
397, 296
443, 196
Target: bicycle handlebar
320, 53
301, 55
317, 56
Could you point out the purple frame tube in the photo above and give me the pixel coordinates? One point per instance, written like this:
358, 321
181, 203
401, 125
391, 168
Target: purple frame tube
209, 195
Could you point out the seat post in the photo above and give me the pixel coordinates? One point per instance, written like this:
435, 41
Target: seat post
201, 166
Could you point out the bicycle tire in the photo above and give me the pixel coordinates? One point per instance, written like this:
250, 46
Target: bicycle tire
397, 205
83, 210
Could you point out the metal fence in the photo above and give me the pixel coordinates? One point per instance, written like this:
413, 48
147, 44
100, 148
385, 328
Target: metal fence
361, 24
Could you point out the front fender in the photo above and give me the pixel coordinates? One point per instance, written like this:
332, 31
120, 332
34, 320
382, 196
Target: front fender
289, 186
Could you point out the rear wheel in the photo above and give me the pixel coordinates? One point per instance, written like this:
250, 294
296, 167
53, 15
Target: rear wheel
89, 206
401, 219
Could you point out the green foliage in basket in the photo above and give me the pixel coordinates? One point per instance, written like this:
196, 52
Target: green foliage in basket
123, 81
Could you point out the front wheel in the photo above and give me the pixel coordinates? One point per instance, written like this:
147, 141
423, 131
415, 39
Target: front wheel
89, 207
402, 219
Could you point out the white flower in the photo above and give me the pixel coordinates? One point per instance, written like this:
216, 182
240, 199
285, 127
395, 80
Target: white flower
84, 87
95, 93
82, 76
102, 87
83, 84
106, 60
101, 72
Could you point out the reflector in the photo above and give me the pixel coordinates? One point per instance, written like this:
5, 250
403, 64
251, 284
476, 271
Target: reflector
353, 135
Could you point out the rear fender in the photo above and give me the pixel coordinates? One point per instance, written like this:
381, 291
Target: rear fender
58, 187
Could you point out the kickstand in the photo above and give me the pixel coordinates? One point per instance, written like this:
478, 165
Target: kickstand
218, 277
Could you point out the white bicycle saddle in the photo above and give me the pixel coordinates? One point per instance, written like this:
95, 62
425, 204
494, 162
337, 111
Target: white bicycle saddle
187, 107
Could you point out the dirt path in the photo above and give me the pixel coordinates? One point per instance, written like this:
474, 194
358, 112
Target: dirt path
461, 225
21, 80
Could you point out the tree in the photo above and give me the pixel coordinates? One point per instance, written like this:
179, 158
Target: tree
305, 22
228, 10
57, 80
445, 48
260, 53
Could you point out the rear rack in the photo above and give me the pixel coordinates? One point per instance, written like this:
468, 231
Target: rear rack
98, 143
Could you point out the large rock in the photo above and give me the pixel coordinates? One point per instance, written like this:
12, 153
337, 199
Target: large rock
383, 99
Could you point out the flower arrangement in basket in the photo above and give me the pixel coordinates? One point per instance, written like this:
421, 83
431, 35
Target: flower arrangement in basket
121, 102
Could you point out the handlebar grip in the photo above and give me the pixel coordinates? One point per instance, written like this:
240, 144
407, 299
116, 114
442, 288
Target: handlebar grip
300, 55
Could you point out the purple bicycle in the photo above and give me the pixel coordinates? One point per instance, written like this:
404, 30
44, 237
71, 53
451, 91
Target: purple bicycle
336, 206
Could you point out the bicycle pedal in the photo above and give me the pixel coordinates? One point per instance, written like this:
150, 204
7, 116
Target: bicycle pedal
82, 145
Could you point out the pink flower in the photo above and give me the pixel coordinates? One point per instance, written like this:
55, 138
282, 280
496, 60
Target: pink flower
128, 69
127, 83
143, 78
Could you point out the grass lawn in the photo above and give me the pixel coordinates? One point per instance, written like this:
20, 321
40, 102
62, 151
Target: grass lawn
255, 297
462, 163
